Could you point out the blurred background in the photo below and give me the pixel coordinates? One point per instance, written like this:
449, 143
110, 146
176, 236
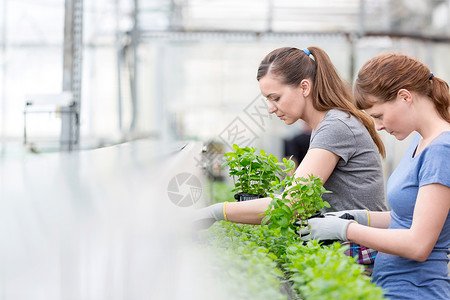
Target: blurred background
84, 74
111, 111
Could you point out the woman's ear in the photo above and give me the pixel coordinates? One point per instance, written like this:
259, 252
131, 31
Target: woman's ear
404, 95
305, 86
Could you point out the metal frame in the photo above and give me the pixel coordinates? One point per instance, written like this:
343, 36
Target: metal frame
51, 104
73, 48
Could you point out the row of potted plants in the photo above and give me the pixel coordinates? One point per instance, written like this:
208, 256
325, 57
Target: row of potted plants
256, 261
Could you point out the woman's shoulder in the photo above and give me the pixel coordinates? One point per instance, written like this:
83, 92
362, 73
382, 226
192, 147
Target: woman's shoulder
341, 120
437, 151
336, 114
335, 121
442, 141
433, 161
443, 138
440, 145
334, 129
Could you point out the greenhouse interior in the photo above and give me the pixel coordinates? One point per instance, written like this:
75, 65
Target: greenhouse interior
123, 122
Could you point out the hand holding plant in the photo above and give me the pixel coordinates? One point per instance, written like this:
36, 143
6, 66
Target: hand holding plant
301, 199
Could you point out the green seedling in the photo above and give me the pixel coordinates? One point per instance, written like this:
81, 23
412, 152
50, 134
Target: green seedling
255, 173
248, 256
300, 199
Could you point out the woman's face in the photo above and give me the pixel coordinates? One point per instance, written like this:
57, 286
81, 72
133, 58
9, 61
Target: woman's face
393, 116
285, 101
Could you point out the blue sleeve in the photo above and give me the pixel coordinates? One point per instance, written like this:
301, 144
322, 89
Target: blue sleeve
435, 167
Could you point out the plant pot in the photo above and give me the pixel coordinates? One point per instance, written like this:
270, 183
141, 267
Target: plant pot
244, 196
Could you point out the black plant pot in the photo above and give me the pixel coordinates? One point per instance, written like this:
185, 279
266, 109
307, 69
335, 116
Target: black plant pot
244, 197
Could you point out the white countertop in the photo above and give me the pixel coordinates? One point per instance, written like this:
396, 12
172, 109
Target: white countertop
99, 224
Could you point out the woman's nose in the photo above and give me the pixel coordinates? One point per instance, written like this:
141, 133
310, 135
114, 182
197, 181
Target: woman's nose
379, 125
272, 108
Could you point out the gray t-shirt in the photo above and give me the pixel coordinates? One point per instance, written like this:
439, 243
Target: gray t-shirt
357, 180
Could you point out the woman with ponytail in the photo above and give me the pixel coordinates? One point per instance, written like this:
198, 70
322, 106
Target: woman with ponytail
345, 150
413, 239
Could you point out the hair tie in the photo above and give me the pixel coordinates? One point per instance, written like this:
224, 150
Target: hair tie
306, 51
431, 76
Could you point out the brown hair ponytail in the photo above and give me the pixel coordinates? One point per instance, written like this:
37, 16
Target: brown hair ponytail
329, 91
440, 94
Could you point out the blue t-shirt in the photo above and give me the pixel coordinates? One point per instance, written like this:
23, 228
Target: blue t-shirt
403, 278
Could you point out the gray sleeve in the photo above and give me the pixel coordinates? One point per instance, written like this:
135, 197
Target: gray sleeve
335, 136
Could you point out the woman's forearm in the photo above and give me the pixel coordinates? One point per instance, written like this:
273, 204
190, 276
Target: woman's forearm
379, 219
400, 242
247, 212
416, 242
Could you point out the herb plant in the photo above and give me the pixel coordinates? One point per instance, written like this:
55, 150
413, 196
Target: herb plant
242, 267
325, 272
255, 173
301, 199
247, 257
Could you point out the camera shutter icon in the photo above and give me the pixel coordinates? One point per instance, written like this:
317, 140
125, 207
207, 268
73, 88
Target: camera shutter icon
184, 189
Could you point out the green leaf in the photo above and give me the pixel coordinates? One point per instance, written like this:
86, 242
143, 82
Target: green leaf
265, 220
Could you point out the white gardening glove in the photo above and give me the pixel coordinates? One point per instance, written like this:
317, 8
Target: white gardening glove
206, 216
359, 215
327, 228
